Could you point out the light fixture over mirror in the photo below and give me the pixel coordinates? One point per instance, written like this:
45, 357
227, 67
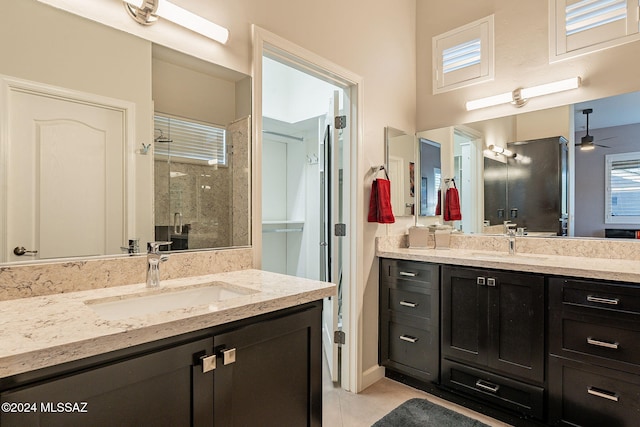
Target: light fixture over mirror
520, 96
146, 12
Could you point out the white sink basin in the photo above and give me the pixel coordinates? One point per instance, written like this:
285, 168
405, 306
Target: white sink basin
166, 299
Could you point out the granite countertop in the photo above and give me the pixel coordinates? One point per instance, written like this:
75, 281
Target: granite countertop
44, 331
586, 267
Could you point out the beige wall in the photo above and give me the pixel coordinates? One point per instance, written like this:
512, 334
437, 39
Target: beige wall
522, 59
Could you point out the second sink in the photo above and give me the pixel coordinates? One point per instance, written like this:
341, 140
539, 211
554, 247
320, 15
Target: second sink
167, 299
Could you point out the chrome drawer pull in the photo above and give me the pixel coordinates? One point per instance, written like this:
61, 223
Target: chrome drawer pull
603, 394
491, 281
491, 388
613, 345
480, 281
408, 274
611, 301
408, 338
408, 304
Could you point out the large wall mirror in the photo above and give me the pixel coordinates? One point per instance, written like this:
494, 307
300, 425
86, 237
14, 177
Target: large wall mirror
107, 138
546, 172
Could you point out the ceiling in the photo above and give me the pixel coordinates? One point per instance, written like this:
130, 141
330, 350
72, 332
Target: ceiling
609, 112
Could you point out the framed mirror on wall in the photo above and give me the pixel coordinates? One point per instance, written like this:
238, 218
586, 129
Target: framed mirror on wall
541, 153
139, 78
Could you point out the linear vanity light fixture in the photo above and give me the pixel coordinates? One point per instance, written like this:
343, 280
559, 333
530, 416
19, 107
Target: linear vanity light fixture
520, 96
146, 12
501, 150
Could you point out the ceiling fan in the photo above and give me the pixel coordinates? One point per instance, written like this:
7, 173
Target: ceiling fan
586, 142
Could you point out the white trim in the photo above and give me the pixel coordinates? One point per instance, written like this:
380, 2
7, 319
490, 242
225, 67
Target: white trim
558, 38
353, 290
372, 376
127, 109
484, 30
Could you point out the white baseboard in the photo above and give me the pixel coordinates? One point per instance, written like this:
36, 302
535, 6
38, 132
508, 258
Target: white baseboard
371, 376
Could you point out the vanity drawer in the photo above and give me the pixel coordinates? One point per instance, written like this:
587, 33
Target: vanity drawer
514, 395
412, 303
412, 350
597, 296
609, 341
586, 395
393, 270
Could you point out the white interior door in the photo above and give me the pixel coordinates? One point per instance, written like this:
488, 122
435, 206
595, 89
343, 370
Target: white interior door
57, 143
332, 214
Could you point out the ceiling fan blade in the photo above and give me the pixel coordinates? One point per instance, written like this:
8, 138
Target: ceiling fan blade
603, 146
604, 139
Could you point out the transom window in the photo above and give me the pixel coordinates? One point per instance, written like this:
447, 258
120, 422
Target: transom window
463, 56
583, 26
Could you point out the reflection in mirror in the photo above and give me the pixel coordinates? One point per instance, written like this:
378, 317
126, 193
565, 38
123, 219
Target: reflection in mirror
201, 145
400, 160
430, 176
580, 211
95, 194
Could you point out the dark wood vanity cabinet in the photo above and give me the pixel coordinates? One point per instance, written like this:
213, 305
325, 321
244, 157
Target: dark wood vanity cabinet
493, 342
268, 372
409, 318
594, 346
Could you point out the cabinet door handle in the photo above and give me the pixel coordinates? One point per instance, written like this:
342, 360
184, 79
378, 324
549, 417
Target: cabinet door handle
491, 281
408, 274
610, 301
613, 345
408, 338
408, 304
486, 386
481, 281
603, 394
208, 363
229, 356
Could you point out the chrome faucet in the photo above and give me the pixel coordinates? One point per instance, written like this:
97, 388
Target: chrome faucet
508, 225
153, 263
511, 234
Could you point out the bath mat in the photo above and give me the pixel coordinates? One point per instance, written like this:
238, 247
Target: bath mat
422, 413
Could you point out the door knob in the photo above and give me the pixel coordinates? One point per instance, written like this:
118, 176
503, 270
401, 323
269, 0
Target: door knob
20, 250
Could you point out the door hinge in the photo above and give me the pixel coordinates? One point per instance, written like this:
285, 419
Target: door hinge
339, 337
341, 122
340, 230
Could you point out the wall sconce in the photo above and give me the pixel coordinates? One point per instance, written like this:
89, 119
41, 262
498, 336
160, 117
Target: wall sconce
146, 12
520, 96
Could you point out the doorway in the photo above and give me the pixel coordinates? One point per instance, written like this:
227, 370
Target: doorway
307, 158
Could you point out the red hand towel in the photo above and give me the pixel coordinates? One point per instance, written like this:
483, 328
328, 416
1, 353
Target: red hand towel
380, 202
373, 203
438, 209
452, 205
385, 213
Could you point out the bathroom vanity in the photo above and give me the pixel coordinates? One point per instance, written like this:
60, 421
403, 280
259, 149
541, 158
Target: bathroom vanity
220, 361
530, 339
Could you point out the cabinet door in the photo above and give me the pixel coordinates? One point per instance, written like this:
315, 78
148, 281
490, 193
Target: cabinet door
164, 388
464, 314
270, 373
516, 324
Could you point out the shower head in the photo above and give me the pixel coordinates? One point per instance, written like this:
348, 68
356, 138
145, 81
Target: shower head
162, 138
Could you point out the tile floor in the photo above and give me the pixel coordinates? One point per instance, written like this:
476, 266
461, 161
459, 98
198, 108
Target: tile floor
344, 409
